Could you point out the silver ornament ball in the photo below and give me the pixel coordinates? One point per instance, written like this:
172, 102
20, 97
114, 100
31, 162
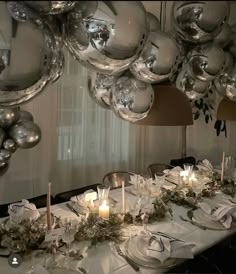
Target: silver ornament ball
26, 134
159, 59
109, 40
8, 116
199, 21
131, 99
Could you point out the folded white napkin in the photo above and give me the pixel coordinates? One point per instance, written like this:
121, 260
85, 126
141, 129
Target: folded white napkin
224, 214
205, 166
80, 199
22, 211
174, 172
163, 248
134, 179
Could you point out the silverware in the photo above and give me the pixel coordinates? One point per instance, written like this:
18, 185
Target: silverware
192, 222
128, 260
130, 192
72, 209
164, 235
82, 270
113, 200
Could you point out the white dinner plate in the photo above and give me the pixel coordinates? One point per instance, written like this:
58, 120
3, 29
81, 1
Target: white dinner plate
207, 220
135, 250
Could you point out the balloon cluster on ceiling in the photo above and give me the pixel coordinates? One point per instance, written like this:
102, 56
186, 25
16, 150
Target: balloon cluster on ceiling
17, 130
122, 45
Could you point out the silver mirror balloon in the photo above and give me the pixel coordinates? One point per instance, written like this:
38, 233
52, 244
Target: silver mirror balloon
25, 116
29, 59
51, 7
131, 99
205, 62
159, 59
99, 88
26, 134
10, 145
225, 84
194, 89
232, 45
153, 22
223, 38
199, 21
110, 39
8, 116
17, 130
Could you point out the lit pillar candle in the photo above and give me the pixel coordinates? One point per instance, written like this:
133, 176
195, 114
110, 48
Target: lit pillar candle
104, 210
123, 197
49, 221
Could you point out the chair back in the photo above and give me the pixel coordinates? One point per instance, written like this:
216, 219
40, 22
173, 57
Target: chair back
157, 169
180, 162
65, 196
114, 179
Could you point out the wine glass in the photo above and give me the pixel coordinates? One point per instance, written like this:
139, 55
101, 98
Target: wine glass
188, 168
69, 236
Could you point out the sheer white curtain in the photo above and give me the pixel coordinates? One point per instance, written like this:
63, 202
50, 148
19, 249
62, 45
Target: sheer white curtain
91, 140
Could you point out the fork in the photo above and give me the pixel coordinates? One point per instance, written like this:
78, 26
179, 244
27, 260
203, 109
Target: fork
130, 262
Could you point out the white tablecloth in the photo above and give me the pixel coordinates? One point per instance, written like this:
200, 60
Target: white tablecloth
103, 258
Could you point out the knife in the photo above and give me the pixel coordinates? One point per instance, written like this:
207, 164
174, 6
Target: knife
73, 210
128, 260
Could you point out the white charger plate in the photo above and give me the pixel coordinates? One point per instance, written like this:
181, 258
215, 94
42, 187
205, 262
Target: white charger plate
135, 250
207, 220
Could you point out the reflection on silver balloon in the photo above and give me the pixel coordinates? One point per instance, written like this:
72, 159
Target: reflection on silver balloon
3, 168
26, 134
25, 116
51, 7
5, 155
205, 62
8, 116
2, 136
223, 38
18, 11
99, 87
225, 84
111, 39
57, 66
27, 57
193, 88
9, 145
154, 23
229, 62
159, 59
199, 21
232, 45
131, 99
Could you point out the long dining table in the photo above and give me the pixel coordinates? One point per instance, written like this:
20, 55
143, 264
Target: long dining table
103, 258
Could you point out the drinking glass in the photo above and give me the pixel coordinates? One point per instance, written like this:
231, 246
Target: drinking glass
229, 166
69, 236
188, 168
103, 192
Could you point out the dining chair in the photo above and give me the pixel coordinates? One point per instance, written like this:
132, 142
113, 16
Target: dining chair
180, 162
39, 201
65, 196
115, 178
157, 169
